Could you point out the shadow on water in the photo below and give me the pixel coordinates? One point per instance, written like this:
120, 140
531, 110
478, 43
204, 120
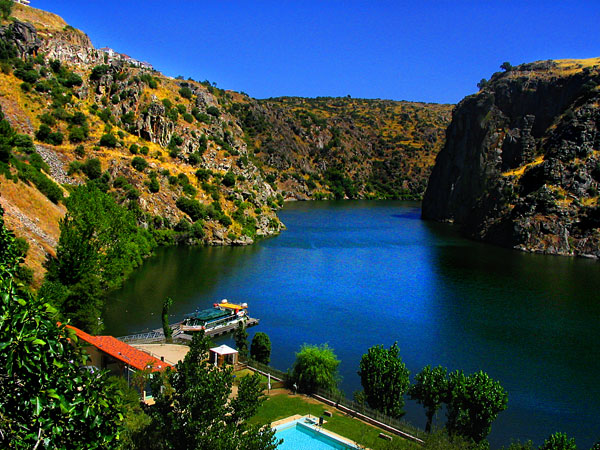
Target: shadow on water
188, 275
525, 319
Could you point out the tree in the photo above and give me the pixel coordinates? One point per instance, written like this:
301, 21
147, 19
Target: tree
506, 66
260, 349
385, 379
483, 84
474, 402
240, 336
99, 245
45, 398
558, 441
193, 410
6, 7
430, 390
165, 319
316, 367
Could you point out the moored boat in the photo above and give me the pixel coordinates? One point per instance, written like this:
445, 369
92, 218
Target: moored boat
220, 315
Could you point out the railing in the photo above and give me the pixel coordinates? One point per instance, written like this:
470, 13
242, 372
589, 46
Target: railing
152, 336
337, 399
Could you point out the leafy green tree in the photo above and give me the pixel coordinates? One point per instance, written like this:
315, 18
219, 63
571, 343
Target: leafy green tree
193, 410
6, 7
240, 336
260, 349
99, 245
385, 379
316, 367
139, 163
506, 66
46, 401
165, 319
430, 390
558, 441
474, 402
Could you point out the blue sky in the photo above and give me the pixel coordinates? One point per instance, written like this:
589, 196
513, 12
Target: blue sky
433, 51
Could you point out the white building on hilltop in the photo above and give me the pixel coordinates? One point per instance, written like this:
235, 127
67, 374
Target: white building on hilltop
22, 2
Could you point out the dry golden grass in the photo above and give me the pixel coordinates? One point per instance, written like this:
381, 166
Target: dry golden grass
33, 217
42, 20
521, 170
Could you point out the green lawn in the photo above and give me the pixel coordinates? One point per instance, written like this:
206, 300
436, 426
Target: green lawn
282, 406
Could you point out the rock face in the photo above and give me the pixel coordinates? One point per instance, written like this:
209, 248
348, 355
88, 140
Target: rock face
521, 166
23, 36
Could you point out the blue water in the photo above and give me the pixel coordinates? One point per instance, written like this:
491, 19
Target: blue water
357, 274
299, 437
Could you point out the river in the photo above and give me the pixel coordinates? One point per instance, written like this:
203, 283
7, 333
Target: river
355, 274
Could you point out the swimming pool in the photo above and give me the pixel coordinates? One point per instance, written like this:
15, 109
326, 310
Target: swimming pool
304, 435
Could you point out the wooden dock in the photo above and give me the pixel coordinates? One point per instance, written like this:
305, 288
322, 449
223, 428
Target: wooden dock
159, 336
219, 331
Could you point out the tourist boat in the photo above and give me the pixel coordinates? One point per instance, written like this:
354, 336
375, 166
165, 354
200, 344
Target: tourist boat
224, 314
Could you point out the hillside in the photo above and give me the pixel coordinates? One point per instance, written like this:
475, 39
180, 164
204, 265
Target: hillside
343, 147
521, 163
196, 164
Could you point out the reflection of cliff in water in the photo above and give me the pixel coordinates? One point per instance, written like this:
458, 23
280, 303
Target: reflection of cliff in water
526, 320
187, 275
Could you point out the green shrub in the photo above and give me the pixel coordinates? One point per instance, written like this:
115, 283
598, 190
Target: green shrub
185, 92
134, 149
192, 208
80, 151
108, 140
47, 119
153, 185
213, 111
92, 168
25, 87
139, 163
229, 179
144, 150
77, 134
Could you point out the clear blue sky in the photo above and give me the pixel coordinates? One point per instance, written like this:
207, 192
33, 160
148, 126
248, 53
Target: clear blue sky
434, 51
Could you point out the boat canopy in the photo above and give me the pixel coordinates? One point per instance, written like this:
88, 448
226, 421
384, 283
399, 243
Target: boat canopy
208, 315
228, 305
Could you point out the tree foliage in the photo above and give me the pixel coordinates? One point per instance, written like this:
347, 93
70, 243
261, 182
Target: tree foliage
558, 441
240, 336
99, 245
474, 402
193, 411
168, 302
385, 379
6, 7
316, 367
46, 401
260, 349
430, 390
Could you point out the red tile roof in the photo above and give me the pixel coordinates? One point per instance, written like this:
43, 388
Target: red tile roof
122, 351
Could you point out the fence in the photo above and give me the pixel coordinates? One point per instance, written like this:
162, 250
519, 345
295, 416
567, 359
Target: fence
338, 400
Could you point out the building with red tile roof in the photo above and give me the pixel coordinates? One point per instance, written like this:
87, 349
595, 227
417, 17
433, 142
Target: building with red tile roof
107, 352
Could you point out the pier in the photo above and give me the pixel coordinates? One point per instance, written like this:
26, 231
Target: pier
158, 335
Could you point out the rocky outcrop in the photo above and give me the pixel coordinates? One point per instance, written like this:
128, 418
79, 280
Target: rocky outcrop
23, 36
520, 167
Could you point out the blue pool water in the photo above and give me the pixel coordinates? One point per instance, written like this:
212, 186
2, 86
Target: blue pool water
298, 436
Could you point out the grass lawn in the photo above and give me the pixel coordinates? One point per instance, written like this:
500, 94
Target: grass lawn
281, 406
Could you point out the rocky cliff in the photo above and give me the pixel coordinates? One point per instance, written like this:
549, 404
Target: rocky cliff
521, 162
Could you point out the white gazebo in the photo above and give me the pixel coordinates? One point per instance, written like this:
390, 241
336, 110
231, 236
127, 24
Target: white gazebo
222, 355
